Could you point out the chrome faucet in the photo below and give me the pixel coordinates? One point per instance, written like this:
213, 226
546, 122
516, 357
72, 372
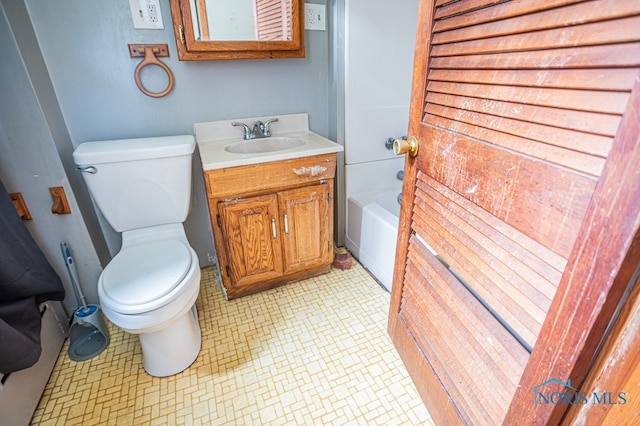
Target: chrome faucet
260, 129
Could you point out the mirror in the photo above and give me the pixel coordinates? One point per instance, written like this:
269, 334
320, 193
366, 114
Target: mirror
238, 29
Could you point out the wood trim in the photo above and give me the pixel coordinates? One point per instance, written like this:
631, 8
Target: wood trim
617, 55
464, 364
613, 79
268, 284
588, 100
196, 50
619, 361
599, 269
504, 11
460, 7
516, 192
530, 141
516, 283
428, 384
581, 121
201, 5
275, 175
588, 25
418, 93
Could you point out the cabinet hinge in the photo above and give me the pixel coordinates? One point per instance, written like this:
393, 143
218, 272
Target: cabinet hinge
219, 221
181, 31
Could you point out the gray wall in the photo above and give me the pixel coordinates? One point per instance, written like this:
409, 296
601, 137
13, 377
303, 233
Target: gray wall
84, 45
32, 137
66, 78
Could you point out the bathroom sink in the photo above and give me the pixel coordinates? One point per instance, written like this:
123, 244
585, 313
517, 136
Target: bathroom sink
221, 144
264, 145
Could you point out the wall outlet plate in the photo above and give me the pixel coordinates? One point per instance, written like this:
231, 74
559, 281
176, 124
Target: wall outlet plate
315, 17
146, 14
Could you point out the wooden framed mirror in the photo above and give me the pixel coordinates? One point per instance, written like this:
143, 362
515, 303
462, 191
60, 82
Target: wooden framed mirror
238, 29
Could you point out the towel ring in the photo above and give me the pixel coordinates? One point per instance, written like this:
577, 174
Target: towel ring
150, 52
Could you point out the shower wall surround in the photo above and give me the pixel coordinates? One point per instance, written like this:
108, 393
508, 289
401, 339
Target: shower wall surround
378, 69
378, 66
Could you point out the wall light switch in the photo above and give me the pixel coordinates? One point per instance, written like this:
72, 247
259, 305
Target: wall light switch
315, 17
146, 14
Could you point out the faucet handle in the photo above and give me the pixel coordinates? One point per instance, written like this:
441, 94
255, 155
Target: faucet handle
247, 130
266, 130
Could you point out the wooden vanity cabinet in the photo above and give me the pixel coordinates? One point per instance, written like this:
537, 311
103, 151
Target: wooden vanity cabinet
306, 231
272, 222
249, 231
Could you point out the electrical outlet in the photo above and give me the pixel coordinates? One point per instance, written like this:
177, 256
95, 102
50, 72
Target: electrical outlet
315, 17
146, 14
153, 13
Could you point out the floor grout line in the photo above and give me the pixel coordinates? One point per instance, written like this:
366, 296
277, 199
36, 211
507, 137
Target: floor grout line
312, 352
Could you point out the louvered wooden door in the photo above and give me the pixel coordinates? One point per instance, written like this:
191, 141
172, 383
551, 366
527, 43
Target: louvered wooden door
273, 19
517, 106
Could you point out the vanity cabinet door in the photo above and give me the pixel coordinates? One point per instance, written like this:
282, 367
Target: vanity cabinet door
250, 231
306, 227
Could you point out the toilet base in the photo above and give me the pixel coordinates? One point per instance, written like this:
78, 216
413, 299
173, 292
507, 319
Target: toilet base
171, 350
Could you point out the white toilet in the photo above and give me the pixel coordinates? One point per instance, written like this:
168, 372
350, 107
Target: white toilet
143, 188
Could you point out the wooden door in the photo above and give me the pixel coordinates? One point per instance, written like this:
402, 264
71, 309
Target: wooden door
250, 230
306, 227
272, 19
522, 230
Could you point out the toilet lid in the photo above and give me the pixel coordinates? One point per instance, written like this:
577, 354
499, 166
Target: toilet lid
145, 273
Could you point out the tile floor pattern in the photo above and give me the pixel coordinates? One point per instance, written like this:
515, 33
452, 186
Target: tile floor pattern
314, 352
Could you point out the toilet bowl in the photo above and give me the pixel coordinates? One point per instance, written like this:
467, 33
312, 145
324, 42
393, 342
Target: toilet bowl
149, 288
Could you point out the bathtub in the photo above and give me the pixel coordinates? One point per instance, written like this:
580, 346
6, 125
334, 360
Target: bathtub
372, 230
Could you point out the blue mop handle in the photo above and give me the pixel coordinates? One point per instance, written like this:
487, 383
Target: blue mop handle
73, 273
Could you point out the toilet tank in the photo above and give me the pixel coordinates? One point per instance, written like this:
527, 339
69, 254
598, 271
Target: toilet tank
139, 183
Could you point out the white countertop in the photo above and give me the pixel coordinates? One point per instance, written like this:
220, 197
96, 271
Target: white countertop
213, 137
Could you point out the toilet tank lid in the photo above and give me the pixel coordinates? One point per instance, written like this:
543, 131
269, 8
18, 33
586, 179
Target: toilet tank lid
110, 151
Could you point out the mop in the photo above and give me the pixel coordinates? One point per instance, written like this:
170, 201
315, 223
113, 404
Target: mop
88, 332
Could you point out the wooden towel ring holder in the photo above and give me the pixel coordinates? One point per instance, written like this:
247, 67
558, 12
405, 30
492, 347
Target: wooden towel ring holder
151, 53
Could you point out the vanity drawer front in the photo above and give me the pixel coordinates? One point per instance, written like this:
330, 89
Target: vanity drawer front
233, 181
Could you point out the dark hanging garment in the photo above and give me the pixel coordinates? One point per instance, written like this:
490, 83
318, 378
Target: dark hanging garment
26, 280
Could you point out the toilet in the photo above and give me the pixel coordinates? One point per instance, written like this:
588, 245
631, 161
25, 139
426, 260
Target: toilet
143, 189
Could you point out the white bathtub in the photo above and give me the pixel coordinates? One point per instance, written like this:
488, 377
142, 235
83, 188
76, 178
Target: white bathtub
372, 230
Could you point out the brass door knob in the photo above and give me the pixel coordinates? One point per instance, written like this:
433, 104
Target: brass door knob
401, 146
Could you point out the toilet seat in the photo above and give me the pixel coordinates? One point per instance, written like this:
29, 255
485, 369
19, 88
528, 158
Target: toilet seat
142, 274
